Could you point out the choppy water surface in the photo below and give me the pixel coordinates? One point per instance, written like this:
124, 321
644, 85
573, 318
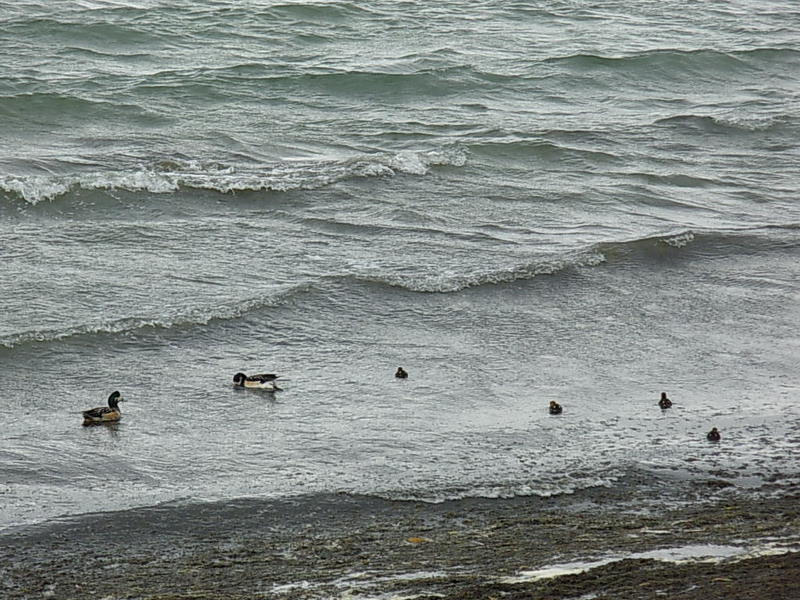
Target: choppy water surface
518, 202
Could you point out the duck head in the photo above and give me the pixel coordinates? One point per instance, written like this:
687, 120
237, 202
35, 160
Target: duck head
114, 399
239, 378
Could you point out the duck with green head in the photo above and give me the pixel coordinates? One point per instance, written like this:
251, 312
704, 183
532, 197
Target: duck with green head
105, 414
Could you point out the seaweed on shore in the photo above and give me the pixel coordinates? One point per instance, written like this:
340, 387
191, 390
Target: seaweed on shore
461, 551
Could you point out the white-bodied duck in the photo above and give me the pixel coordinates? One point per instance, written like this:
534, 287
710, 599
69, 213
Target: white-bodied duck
261, 381
105, 414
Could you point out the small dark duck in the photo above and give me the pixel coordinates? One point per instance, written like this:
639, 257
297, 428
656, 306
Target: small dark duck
105, 414
555, 408
664, 402
261, 381
713, 435
401, 373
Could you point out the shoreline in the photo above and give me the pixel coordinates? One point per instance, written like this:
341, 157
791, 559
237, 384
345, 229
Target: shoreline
367, 547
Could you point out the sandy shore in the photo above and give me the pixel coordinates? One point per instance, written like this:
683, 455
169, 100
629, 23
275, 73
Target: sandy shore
344, 547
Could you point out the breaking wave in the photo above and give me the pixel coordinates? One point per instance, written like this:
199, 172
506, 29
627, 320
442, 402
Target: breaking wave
169, 176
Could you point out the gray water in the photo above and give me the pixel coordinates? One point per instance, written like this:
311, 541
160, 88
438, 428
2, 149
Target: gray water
518, 202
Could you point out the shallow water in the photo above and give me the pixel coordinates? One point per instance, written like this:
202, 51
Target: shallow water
517, 202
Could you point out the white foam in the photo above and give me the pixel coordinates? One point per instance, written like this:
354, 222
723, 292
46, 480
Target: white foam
358, 584
680, 240
169, 176
708, 553
36, 188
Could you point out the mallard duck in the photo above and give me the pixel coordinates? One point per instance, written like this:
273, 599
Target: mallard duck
713, 435
401, 373
664, 402
261, 381
555, 408
105, 414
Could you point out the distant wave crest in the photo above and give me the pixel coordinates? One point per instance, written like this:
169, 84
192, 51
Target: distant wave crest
171, 175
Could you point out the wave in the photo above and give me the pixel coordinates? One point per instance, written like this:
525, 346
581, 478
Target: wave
240, 308
690, 243
57, 108
70, 28
435, 82
415, 76
434, 74
593, 256
334, 12
184, 318
661, 62
527, 150
455, 282
169, 176
92, 53
673, 179
731, 123
648, 250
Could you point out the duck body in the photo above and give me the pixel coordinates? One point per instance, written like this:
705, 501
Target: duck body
713, 435
260, 381
664, 402
401, 373
555, 408
105, 414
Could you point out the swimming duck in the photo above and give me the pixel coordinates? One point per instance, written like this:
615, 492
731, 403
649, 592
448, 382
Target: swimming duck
105, 414
664, 402
261, 381
713, 435
555, 408
401, 373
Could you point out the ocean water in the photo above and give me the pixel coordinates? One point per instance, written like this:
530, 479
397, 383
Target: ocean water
518, 202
